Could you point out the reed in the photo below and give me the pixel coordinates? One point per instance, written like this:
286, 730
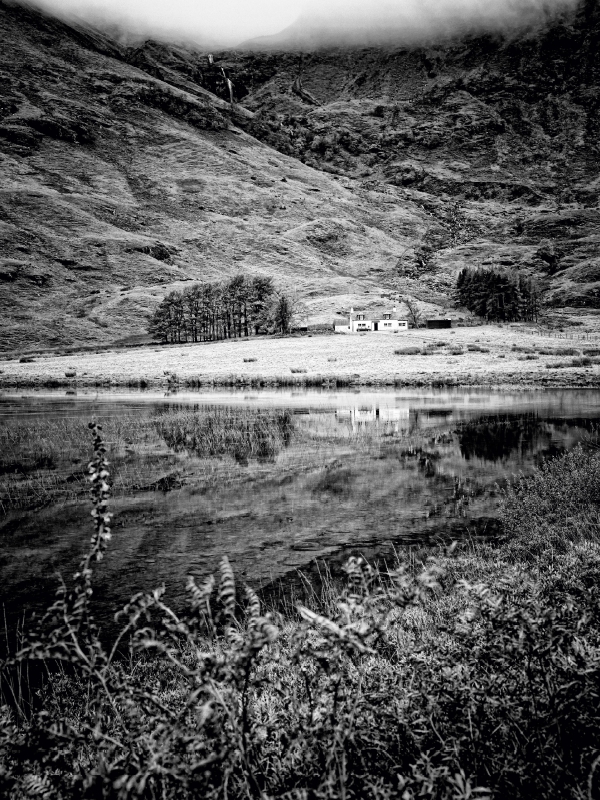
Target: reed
42, 461
223, 432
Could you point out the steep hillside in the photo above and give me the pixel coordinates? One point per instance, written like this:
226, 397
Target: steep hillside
349, 175
497, 138
118, 186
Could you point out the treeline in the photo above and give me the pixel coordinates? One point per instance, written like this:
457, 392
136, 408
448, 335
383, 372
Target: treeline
497, 295
239, 307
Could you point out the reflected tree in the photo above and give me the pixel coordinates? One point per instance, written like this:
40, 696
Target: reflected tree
497, 438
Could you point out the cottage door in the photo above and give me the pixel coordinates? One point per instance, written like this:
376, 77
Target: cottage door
375, 326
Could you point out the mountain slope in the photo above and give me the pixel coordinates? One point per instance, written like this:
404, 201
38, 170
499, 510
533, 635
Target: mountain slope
350, 176
498, 138
118, 186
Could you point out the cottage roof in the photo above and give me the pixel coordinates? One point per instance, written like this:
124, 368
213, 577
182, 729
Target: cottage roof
370, 316
377, 315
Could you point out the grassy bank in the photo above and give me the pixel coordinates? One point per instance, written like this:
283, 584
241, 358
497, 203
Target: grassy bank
486, 355
468, 674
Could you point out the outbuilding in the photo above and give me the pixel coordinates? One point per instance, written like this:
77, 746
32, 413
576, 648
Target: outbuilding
439, 323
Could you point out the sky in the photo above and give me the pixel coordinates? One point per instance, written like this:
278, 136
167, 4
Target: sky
229, 22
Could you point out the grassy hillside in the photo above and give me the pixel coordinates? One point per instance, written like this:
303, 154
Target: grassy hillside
118, 187
496, 138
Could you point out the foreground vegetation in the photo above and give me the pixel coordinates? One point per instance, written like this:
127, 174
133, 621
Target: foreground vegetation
468, 674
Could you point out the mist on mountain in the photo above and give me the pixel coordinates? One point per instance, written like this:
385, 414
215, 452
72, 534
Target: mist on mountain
294, 23
405, 22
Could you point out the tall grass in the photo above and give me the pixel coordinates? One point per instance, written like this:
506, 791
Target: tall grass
466, 675
43, 461
257, 434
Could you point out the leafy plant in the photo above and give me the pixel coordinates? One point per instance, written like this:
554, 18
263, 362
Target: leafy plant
409, 682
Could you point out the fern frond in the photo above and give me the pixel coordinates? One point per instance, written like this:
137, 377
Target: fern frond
37, 786
226, 594
253, 608
200, 595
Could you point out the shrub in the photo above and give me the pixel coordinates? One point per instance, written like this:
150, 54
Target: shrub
558, 504
408, 351
298, 370
521, 349
249, 360
574, 362
583, 361
558, 351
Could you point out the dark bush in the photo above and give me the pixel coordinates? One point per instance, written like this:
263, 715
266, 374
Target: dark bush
559, 504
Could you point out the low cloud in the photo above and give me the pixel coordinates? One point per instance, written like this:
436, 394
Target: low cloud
405, 21
230, 22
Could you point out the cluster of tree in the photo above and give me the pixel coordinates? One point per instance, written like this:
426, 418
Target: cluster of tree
497, 295
241, 306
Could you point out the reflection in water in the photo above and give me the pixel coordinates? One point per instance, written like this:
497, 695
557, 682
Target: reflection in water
497, 438
392, 419
279, 486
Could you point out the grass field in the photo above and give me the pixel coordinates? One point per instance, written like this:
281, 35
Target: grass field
485, 355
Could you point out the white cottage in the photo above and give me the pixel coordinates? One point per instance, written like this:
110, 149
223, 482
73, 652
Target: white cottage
385, 322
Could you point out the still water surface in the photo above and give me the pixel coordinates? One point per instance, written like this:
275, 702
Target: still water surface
362, 473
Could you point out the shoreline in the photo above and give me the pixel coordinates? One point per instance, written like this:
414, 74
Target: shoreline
431, 381
487, 356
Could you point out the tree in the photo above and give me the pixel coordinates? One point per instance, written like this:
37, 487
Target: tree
259, 300
282, 313
238, 307
497, 295
158, 324
415, 314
